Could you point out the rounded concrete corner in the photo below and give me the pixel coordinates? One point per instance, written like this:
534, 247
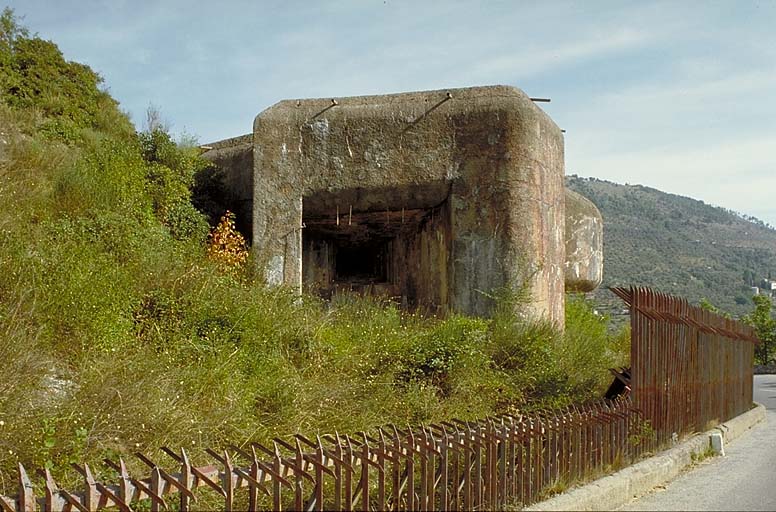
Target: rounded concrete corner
584, 244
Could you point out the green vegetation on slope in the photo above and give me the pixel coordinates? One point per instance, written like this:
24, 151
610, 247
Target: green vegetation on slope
118, 333
678, 245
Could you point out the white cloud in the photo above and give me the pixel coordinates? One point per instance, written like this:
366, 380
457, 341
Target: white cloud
691, 91
541, 58
714, 126
738, 174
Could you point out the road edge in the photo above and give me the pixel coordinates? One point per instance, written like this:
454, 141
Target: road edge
615, 490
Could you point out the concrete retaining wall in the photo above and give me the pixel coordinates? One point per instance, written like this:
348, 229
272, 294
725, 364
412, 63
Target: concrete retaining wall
615, 490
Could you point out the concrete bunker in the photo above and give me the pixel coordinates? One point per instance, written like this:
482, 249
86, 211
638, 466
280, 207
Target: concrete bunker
438, 199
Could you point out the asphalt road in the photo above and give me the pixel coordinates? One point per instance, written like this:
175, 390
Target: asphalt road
744, 479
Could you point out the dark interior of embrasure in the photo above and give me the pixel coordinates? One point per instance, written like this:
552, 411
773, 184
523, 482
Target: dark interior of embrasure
391, 242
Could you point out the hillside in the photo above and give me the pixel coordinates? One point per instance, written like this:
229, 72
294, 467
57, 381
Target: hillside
678, 245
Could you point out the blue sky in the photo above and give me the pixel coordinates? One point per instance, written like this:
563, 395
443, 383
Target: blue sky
677, 95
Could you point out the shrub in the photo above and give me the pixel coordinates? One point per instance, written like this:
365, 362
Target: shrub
185, 222
170, 175
109, 176
435, 354
35, 75
761, 318
589, 346
226, 246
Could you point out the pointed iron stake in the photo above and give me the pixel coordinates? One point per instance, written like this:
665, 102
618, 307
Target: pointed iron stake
26, 500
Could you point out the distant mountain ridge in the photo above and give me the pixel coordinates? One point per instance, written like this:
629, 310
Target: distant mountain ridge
678, 245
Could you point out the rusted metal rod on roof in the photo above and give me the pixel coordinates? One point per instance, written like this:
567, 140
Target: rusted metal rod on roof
333, 104
448, 97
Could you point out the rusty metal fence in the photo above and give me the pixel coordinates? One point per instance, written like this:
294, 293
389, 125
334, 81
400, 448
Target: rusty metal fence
691, 368
457, 465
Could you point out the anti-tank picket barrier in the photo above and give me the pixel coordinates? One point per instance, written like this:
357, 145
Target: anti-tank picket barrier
690, 369
456, 465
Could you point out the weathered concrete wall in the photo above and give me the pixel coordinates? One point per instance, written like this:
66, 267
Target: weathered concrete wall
584, 244
234, 161
495, 154
422, 260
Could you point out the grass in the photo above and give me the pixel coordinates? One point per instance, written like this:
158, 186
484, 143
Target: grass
700, 456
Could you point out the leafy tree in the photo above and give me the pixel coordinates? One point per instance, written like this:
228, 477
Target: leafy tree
765, 326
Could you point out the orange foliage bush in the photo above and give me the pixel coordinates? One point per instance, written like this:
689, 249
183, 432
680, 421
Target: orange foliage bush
226, 246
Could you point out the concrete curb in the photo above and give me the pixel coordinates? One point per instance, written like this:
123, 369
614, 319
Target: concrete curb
613, 491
